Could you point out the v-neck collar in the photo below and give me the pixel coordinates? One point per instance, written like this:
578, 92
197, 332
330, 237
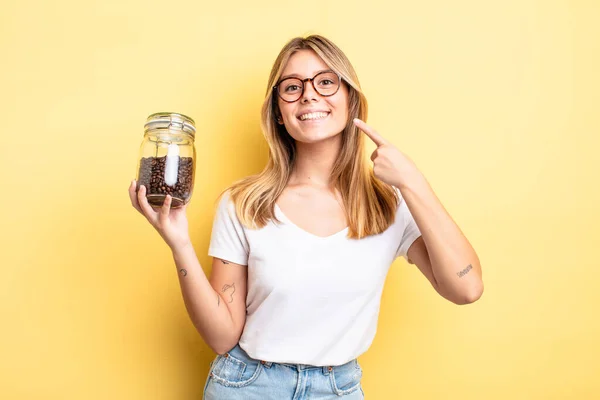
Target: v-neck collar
279, 213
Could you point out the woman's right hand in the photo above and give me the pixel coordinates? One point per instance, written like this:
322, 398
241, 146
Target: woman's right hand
171, 224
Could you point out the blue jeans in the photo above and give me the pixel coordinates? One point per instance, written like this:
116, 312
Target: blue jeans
236, 376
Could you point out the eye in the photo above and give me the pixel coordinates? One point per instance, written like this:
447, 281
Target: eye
291, 88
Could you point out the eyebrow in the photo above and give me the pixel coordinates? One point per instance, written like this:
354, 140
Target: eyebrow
299, 77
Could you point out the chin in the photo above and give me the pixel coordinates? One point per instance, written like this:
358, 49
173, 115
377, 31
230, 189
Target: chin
316, 134
313, 137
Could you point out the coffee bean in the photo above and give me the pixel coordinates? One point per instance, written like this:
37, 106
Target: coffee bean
152, 175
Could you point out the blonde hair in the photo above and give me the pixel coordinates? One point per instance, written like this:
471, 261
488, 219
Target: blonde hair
369, 203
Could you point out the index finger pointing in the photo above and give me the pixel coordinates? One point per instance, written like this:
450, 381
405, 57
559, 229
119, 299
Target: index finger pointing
370, 132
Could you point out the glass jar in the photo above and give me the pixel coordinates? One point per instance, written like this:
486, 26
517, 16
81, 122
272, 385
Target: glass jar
167, 159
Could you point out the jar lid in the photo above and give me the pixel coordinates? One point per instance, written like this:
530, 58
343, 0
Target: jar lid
169, 120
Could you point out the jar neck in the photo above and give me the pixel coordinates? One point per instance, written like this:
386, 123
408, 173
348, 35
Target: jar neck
169, 135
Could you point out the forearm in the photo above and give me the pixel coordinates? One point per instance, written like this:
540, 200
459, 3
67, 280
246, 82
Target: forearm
213, 322
455, 264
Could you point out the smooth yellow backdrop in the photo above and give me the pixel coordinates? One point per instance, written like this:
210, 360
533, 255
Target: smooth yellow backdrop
495, 101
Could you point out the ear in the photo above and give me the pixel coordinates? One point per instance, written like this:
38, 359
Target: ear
278, 117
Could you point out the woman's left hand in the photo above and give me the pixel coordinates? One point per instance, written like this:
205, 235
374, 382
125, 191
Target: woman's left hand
389, 164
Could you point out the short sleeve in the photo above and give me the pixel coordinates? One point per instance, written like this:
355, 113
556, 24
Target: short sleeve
411, 231
228, 238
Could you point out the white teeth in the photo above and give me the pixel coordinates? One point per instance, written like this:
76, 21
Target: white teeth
315, 115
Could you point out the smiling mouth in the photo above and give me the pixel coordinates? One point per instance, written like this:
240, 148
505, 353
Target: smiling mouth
315, 116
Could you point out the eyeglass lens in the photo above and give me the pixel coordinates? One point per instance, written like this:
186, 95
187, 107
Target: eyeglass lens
325, 83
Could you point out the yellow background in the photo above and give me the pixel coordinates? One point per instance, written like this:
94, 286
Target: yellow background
496, 102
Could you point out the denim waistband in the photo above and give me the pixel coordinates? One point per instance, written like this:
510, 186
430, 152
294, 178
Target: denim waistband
240, 354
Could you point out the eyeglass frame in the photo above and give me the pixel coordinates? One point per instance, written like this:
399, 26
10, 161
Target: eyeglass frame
311, 80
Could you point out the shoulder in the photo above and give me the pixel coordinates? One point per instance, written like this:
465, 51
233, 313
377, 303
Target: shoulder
224, 202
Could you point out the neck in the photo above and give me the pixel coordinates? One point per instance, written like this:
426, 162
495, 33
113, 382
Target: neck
314, 162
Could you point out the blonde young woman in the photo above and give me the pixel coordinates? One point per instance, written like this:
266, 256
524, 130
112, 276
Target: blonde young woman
301, 251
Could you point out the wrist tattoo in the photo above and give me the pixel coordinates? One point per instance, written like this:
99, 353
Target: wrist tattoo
464, 271
183, 272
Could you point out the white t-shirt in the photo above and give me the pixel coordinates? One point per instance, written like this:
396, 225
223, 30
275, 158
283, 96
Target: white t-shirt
311, 300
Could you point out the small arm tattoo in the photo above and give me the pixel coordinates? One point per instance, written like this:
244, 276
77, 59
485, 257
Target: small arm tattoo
224, 262
230, 290
464, 271
183, 272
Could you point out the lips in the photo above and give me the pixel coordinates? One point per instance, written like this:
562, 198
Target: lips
313, 116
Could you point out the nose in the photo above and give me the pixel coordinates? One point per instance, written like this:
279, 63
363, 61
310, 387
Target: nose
310, 93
